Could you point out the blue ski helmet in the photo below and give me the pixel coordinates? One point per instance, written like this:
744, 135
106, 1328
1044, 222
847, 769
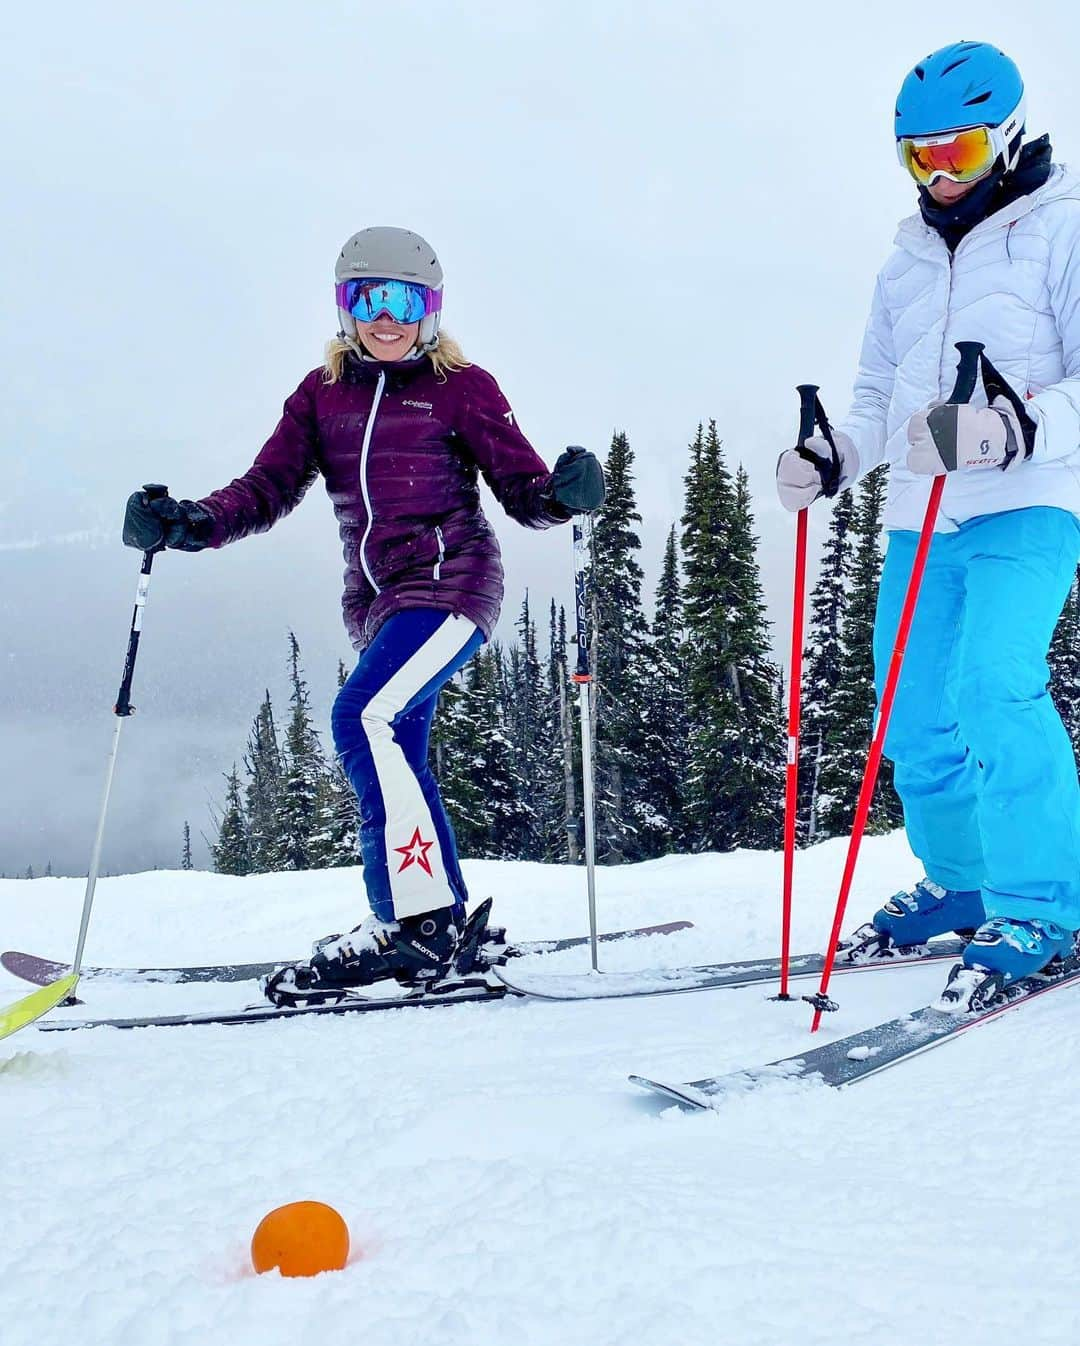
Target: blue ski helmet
963, 84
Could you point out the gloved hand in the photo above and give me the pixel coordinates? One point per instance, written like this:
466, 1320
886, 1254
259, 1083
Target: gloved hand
152, 521
805, 474
951, 438
577, 481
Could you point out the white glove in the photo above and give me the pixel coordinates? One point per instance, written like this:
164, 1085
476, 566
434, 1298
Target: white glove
805, 474
951, 438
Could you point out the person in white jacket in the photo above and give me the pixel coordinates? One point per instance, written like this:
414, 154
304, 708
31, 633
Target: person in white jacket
983, 765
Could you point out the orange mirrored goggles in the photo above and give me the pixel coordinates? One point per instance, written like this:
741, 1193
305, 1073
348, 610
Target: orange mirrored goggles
961, 156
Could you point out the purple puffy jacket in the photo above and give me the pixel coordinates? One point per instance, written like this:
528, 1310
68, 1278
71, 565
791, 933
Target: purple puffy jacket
400, 451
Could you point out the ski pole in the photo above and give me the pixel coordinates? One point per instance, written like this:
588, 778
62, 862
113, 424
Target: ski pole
808, 405
583, 677
966, 375
122, 709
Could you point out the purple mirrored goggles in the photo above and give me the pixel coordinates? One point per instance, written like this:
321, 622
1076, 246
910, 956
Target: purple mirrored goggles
402, 300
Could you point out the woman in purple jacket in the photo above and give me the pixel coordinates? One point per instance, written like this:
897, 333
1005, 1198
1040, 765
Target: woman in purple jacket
399, 424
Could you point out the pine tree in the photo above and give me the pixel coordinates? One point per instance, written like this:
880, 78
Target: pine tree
529, 727
300, 842
823, 660
476, 761
338, 809
565, 835
849, 713
457, 763
760, 744
263, 765
185, 853
1064, 660
231, 852
665, 724
620, 631
734, 783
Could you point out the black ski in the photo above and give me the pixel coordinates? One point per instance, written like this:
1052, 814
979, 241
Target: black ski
497, 983
41, 971
858, 1057
706, 977
467, 990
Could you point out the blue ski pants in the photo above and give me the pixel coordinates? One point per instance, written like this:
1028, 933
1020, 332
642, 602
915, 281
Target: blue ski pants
381, 723
984, 766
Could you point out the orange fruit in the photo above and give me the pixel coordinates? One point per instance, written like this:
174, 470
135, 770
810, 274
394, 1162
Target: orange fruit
301, 1239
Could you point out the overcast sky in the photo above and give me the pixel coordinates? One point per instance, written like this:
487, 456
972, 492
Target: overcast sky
648, 215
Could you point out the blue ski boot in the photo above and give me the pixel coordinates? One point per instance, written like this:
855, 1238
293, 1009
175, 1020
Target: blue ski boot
1017, 949
905, 924
1002, 953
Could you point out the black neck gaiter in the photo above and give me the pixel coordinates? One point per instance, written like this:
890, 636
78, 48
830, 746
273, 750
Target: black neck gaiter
994, 193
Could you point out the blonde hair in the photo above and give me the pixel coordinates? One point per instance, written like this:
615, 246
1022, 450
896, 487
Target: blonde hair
446, 358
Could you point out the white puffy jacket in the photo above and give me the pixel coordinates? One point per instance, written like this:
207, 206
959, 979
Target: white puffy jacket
1013, 284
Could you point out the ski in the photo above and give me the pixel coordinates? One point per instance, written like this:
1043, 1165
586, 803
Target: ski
41, 971
706, 977
468, 990
862, 1055
497, 983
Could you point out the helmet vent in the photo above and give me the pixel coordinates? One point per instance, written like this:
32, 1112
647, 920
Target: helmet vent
980, 98
920, 72
953, 65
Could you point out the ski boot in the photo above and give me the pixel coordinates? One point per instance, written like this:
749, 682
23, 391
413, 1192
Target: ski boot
1003, 953
905, 924
420, 952
491, 946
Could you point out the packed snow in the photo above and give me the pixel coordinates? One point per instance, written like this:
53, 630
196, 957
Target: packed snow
503, 1181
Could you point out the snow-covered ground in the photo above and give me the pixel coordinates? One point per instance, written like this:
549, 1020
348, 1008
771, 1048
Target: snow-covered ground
503, 1180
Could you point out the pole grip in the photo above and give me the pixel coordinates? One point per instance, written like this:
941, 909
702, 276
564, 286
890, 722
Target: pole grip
807, 410
967, 370
581, 617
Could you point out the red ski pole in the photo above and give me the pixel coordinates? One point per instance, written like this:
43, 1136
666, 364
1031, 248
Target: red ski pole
808, 404
966, 375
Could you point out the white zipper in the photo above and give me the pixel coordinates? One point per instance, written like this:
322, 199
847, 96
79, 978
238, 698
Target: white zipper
442, 553
363, 478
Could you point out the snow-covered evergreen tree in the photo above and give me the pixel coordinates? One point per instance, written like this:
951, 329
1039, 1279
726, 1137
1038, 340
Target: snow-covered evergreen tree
531, 729
757, 775
665, 745
477, 763
620, 632
565, 831
1064, 660
823, 660
337, 825
231, 852
263, 765
849, 713
734, 784
185, 852
298, 842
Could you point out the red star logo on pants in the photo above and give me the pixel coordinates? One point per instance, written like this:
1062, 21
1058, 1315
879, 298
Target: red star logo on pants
416, 853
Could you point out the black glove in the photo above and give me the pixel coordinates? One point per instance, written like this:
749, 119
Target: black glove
577, 482
153, 520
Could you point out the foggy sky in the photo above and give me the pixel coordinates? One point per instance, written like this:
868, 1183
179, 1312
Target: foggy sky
648, 215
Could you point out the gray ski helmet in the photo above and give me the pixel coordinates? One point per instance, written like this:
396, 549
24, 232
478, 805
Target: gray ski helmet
391, 254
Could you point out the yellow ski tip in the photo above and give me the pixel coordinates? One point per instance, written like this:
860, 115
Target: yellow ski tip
33, 1006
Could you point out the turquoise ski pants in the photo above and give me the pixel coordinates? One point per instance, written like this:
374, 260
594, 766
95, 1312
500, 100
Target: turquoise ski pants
984, 766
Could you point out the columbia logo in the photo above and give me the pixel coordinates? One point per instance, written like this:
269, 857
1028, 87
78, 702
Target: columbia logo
424, 406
